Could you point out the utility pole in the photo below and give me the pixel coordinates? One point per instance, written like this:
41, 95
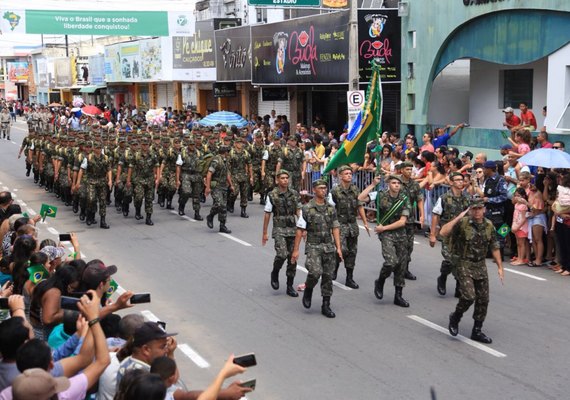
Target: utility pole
353, 74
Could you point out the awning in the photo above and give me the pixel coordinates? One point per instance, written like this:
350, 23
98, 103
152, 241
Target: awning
90, 89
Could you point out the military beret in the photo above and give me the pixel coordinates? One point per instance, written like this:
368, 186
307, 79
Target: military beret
343, 168
476, 202
281, 172
319, 182
454, 174
407, 164
393, 176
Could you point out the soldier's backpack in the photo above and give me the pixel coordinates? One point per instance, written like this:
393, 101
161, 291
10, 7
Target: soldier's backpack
204, 163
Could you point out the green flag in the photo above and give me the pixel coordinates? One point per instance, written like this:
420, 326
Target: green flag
504, 230
48, 211
365, 127
112, 288
38, 273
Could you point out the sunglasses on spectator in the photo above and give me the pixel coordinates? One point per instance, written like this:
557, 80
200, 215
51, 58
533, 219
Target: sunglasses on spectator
556, 147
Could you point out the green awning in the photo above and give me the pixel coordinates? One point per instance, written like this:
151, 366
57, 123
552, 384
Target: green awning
90, 89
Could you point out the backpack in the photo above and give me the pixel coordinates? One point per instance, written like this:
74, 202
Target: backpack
204, 163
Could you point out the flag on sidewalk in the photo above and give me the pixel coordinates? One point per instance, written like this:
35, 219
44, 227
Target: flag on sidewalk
38, 273
366, 127
48, 211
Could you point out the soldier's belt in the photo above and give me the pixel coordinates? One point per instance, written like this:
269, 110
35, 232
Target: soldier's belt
318, 241
347, 220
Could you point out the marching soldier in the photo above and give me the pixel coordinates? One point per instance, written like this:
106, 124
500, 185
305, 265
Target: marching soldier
344, 197
394, 209
144, 177
285, 205
293, 160
27, 149
256, 149
318, 219
217, 181
448, 206
239, 162
5, 123
125, 159
189, 180
80, 185
269, 164
471, 237
167, 186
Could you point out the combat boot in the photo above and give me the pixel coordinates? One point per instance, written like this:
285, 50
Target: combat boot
479, 336
243, 213
250, 194
169, 205
138, 215
379, 288
326, 307
75, 208
441, 282
454, 319
87, 219
181, 209
93, 220
457, 291
202, 198
28, 170
275, 275
125, 210
82, 215
230, 207
197, 216
408, 275
262, 199
161, 200
349, 281
398, 299
224, 228
307, 297
103, 224
210, 221
149, 220
335, 272
290, 289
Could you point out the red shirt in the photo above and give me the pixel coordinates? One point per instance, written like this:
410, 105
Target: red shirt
546, 145
513, 121
528, 118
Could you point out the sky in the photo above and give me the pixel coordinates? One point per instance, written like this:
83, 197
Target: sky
14, 40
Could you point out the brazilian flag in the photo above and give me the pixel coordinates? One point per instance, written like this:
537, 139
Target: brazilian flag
38, 273
48, 211
112, 288
504, 230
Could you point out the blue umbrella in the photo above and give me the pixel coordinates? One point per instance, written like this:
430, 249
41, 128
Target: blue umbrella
224, 118
547, 158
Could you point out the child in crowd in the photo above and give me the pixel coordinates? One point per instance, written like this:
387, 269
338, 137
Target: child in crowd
562, 203
520, 227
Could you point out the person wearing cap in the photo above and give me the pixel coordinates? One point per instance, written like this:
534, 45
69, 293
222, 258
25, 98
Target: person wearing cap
448, 206
144, 176
495, 196
5, 123
79, 187
471, 237
239, 166
394, 209
63, 171
285, 205
218, 180
46, 163
319, 221
269, 163
97, 168
256, 150
511, 120
124, 194
26, 149
167, 155
150, 341
344, 197
292, 159
189, 180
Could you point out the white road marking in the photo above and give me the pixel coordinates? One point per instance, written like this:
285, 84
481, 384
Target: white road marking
335, 283
53, 231
149, 316
461, 338
416, 242
5, 188
195, 357
14, 190
186, 217
514, 271
235, 239
13, 142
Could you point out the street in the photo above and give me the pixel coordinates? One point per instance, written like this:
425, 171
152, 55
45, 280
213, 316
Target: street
213, 289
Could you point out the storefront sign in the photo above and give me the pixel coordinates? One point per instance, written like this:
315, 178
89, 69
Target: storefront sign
62, 73
379, 38
227, 89
233, 54
195, 53
108, 23
139, 61
274, 94
312, 50
18, 71
285, 3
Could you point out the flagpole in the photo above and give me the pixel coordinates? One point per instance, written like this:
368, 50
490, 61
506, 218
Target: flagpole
376, 69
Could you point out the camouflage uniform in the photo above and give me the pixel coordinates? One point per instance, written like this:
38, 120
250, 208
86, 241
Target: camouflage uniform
5, 124
123, 193
273, 155
64, 156
346, 203
284, 206
48, 153
469, 243
320, 247
97, 169
219, 185
167, 186
292, 160
238, 163
143, 165
28, 152
394, 241
411, 189
80, 197
191, 180
256, 151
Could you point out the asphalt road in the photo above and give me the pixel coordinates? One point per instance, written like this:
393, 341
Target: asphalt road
214, 291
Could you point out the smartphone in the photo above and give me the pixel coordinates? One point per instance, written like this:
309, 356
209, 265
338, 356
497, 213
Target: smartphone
249, 384
4, 303
246, 360
69, 303
78, 295
139, 298
65, 237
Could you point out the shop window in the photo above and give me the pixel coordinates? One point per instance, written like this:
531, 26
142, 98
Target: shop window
564, 121
412, 39
261, 15
410, 70
517, 87
411, 101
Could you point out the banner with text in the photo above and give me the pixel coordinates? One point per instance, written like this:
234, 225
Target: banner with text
193, 57
18, 71
71, 22
97, 69
379, 38
233, 54
139, 61
312, 50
